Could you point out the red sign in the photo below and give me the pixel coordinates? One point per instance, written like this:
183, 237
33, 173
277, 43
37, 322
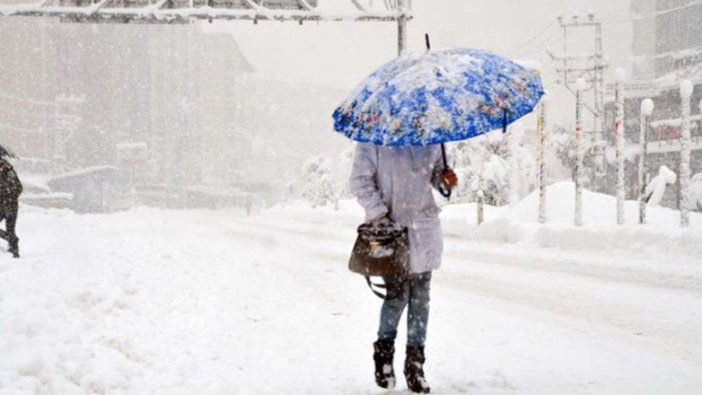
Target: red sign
667, 132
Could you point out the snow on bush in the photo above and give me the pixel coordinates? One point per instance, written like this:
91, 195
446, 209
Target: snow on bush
696, 192
481, 164
341, 172
661, 236
316, 181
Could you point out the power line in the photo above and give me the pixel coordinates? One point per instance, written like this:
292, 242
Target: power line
543, 30
546, 28
542, 46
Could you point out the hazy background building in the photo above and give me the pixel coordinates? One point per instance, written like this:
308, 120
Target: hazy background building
667, 48
670, 41
172, 107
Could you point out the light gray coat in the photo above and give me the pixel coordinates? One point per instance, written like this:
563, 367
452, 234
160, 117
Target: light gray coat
398, 181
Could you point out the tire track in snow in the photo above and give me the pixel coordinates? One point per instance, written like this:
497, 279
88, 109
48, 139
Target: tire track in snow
627, 272
548, 261
660, 320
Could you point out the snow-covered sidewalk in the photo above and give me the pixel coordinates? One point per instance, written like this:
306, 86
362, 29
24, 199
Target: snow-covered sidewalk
214, 302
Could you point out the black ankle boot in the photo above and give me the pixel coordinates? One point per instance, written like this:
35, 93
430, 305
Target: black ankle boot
14, 249
383, 355
414, 370
14, 246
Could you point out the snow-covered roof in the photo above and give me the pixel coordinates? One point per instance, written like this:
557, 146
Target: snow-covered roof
653, 87
34, 182
167, 11
87, 171
676, 122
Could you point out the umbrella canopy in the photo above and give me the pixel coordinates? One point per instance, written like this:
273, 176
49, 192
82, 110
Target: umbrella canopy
436, 97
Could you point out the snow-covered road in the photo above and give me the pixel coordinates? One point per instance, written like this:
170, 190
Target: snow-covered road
176, 302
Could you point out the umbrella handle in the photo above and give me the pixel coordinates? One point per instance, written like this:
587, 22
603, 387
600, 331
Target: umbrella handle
445, 192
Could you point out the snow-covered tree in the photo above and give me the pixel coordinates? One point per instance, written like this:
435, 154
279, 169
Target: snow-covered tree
696, 192
527, 172
560, 143
481, 165
341, 171
316, 181
493, 180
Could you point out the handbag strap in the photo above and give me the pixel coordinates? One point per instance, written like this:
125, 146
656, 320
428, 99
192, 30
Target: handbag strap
383, 286
376, 292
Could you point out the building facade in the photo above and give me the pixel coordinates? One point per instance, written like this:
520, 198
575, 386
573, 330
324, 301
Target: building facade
76, 94
667, 48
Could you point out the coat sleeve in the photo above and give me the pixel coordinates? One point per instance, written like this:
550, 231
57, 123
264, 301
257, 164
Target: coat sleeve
363, 181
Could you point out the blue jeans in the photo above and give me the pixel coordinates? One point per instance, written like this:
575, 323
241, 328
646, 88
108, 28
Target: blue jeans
412, 292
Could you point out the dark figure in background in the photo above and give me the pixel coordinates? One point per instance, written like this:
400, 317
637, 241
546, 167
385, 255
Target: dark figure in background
248, 205
10, 189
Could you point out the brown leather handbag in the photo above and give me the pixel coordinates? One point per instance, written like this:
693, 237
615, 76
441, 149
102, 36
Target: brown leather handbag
380, 250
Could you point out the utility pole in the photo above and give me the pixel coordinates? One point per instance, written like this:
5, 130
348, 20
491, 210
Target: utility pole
580, 86
598, 127
644, 125
44, 84
401, 26
619, 143
541, 157
591, 68
686, 89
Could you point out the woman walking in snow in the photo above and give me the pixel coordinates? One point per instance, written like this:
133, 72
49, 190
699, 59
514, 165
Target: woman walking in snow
395, 184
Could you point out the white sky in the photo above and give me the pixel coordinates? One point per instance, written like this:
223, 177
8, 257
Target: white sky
341, 54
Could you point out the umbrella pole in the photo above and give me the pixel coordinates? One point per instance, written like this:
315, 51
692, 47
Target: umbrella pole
443, 155
444, 192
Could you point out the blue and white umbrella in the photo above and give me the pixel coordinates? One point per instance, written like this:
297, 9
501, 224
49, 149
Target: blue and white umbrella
437, 96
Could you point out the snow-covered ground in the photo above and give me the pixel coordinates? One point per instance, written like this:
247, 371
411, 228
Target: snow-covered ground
155, 301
